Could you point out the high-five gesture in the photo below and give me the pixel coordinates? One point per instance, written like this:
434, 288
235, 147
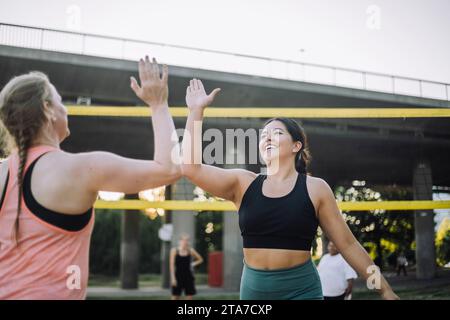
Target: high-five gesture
196, 97
153, 89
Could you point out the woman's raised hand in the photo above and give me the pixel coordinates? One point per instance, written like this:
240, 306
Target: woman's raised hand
196, 97
153, 90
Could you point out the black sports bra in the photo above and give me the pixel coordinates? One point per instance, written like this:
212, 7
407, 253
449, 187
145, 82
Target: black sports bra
287, 222
66, 222
4, 190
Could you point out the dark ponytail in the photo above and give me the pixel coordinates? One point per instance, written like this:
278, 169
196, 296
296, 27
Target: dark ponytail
303, 157
302, 160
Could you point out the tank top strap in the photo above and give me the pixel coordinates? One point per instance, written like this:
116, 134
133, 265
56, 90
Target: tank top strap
32, 154
301, 183
260, 180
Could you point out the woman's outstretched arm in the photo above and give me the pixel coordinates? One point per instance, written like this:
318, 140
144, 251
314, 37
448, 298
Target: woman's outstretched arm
110, 172
223, 183
334, 226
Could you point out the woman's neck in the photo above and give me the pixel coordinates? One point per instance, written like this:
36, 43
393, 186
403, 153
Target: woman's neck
45, 141
281, 172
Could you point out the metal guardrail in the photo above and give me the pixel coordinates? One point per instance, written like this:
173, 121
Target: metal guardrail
127, 49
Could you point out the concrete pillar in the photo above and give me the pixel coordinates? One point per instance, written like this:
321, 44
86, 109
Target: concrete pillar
165, 271
129, 249
165, 245
232, 240
424, 223
232, 251
183, 221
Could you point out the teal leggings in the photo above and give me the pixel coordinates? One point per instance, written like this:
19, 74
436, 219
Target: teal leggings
300, 282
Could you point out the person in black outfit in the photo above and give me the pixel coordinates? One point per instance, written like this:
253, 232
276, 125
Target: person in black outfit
182, 268
402, 263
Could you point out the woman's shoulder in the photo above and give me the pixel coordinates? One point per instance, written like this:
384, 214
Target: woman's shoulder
246, 177
317, 183
192, 250
318, 190
60, 163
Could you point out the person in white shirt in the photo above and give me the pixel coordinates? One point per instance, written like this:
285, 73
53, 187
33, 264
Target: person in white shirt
336, 275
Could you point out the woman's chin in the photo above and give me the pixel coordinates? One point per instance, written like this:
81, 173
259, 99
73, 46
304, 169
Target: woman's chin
65, 136
268, 160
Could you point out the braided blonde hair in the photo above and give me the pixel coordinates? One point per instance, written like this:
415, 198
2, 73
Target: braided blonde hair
23, 115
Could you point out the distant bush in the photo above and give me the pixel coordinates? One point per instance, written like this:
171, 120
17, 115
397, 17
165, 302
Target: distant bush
105, 244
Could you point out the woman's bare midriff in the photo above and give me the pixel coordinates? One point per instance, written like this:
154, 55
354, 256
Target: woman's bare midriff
272, 259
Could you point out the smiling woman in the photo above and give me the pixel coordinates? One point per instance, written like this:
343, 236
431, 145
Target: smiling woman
279, 212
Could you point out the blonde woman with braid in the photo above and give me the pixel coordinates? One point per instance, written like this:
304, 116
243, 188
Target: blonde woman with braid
279, 212
46, 208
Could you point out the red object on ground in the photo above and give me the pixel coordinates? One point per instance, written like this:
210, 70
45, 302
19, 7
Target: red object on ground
215, 269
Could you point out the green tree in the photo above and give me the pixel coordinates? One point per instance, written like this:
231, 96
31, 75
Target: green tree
382, 233
106, 238
443, 243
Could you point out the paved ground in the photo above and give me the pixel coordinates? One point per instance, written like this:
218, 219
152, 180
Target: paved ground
156, 292
399, 283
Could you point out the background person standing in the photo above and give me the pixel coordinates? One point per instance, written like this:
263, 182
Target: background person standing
336, 275
182, 265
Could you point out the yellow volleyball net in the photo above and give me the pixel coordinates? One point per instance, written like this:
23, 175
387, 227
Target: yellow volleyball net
230, 116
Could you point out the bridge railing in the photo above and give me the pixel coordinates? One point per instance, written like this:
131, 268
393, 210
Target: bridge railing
126, 49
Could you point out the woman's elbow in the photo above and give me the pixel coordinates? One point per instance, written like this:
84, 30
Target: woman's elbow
169, 173
174, 173
189, 170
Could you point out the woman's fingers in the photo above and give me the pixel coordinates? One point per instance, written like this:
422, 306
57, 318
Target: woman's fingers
197, 84
134, 85
200, 85
142, 71
165, 74
148, 68
155, 69
213, 94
